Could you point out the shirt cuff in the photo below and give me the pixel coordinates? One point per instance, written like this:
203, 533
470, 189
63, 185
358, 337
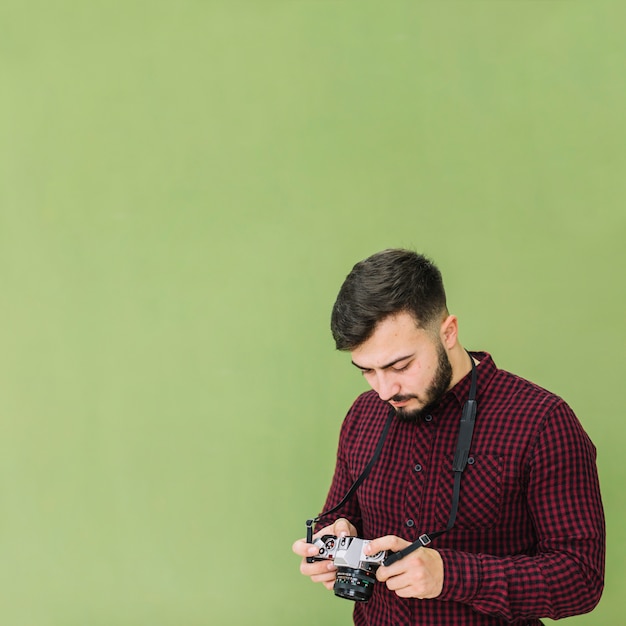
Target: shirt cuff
462, 576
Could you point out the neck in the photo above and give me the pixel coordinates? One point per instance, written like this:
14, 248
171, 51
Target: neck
460, 362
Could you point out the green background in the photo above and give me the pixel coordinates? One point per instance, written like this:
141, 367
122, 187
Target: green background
184, 186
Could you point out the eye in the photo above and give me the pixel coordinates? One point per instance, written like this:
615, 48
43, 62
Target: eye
403, 368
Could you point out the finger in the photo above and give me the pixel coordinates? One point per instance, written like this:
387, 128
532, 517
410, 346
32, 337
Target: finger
319, 569
302, 548
385, 574
406, 592
343, 528
327, 530
327, 576
389, 542
396, 583
395, 577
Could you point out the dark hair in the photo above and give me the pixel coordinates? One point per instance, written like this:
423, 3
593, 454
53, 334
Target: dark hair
384, 284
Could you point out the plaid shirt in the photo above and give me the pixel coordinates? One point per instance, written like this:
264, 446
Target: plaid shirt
529, 538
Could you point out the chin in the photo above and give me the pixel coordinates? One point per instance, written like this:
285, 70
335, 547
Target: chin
410, 414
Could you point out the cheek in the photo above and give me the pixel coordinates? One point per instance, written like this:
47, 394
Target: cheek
370, 379
417, 373
418, 379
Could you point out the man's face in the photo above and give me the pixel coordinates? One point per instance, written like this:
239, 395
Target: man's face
407, 366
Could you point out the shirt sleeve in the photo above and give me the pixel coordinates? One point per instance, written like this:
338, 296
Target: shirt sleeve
566, 575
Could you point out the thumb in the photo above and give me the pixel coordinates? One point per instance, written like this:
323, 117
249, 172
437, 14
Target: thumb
390, 542
343, 528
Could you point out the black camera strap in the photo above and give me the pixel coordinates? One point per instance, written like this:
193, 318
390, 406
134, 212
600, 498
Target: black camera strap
357, 483
466, 430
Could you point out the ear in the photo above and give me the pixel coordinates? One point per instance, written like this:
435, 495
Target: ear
449, 331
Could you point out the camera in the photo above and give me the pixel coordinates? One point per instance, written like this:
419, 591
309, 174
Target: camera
356, 572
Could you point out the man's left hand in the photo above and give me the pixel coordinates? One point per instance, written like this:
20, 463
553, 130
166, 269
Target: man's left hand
417, 575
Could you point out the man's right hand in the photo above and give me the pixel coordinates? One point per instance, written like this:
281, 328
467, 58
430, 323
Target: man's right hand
322, 571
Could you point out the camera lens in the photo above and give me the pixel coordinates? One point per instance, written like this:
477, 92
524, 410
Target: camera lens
356, 584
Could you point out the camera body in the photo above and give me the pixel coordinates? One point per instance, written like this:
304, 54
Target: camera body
356, 572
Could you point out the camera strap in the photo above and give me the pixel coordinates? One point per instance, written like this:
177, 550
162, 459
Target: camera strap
357, 483
466, 430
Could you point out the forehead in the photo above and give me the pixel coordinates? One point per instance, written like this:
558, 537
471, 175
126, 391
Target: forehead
395, 336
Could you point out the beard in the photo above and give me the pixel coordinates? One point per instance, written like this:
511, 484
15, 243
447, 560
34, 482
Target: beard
438, 388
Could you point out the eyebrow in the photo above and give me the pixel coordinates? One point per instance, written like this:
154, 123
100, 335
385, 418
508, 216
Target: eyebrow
384, 367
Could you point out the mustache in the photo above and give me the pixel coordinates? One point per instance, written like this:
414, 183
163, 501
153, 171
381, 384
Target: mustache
401, 398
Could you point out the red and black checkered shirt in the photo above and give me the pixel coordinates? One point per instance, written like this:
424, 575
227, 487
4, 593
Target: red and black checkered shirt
529, 538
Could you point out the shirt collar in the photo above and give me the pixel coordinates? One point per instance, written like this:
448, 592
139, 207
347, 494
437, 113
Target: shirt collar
486, 370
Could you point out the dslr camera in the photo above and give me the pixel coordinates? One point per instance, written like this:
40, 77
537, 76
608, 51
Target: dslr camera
356, 572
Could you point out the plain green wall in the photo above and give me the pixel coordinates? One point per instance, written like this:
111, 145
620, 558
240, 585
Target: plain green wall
184, 186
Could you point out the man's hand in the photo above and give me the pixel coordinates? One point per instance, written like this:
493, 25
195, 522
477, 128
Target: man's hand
417, 575
323, 572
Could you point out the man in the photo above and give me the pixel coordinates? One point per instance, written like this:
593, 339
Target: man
528, 538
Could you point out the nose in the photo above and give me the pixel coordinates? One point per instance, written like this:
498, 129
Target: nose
386, 386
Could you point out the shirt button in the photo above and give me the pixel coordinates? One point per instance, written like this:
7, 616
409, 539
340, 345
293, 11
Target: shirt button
471, 460
418, 468
410, 523
428, 418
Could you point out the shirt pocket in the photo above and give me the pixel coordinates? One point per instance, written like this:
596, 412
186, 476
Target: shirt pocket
480, 500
